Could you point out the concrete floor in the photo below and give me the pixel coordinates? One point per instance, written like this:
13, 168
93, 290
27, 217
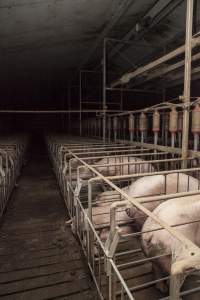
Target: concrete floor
39, 257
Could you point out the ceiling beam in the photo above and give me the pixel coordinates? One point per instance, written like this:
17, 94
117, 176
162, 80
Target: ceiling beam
178, 79
167, 69
121, 9
125, 78
161, 15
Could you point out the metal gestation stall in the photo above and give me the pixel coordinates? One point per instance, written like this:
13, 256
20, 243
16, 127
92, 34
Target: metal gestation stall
83, 197
12, 151
118, 265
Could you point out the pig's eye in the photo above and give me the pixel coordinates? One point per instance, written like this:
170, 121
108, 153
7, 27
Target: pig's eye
192, 253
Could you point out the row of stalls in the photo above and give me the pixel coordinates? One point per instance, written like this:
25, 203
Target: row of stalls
159, 124
12, 151
136, 214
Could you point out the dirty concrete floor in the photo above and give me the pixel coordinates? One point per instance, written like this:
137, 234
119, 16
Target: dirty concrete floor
39, 257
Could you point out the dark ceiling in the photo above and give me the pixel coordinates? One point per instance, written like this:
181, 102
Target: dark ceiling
43, 43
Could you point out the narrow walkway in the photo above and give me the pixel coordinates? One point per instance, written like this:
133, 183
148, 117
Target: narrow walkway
39, 258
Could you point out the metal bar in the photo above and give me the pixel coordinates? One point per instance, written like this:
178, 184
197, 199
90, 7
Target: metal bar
140, 261
185, 293
169, 69
187, 78
139, 162
116, 151
177, 77
128, 292
104, 90
80, 103
160, 106
11, 111
163, 148
133, 90
139, 233
145, 285
151, 174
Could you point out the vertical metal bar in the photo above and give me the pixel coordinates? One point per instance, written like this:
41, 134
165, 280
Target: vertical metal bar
80, 103
155, 138
173, 136
104, 90
90, 234
187, 79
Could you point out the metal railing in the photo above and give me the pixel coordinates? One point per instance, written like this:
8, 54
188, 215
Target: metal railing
12, 150
116, 260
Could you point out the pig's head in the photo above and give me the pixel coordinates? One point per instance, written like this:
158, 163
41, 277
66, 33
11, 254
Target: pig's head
104, 234
85, 173
131, 211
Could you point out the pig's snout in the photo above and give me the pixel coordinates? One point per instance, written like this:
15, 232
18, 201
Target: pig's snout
131, 211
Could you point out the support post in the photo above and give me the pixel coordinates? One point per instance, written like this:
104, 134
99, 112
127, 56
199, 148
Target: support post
187, 79
104, 90
80, 103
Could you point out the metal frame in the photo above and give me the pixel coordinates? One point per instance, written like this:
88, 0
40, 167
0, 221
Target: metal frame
12, 151
76, 193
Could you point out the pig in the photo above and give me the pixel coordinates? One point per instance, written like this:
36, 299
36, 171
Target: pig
101, 217
173, 212
85, 173
108, 197
155, 185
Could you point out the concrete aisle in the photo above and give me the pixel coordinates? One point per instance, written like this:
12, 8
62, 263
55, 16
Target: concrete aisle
39, 259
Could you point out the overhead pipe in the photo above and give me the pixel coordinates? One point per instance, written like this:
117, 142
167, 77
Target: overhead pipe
194, 42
